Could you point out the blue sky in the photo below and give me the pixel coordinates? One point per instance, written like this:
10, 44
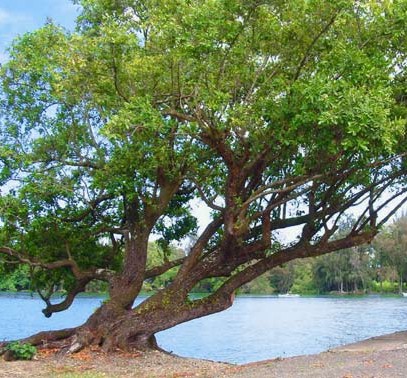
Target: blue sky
20, 16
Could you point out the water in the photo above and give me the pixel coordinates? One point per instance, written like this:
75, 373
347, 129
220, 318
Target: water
254, 328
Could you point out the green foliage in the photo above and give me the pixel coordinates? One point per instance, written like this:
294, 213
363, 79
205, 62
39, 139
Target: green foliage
282, 277
112, 132
391, 250
260, 285
157, 255
21, 351
97, 286
304, 281
385, 286
14, 279
208, 285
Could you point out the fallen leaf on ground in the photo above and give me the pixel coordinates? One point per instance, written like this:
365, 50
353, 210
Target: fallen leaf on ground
82, 356
317, 365
181, 375
131, 355
47, 352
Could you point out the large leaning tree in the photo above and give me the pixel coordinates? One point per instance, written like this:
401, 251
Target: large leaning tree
278, 115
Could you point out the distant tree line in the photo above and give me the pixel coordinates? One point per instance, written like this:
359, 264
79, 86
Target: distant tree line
380, 267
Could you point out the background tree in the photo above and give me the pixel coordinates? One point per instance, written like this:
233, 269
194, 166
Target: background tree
344, 271
275, 114
282, 278
391, 247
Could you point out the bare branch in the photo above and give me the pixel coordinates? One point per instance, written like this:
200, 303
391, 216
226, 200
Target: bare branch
80, 287
158, 270
199, 247
312, 44
92, 205
179, 116
300, 250
209, 202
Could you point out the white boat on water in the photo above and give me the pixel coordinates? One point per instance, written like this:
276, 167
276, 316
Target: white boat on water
288, 295
404, 294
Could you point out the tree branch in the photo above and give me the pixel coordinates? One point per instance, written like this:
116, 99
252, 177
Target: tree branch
300, 250
179, 116
92, 205
67, 263
67, 302
207, 201
158, 270
312, 44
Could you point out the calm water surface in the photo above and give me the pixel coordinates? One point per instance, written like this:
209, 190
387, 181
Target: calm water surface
254, 328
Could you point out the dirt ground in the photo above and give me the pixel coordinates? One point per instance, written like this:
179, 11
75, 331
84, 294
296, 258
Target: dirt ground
380, 357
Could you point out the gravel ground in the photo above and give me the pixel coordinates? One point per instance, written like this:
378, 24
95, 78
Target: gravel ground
383, 364
381, 357
92, 364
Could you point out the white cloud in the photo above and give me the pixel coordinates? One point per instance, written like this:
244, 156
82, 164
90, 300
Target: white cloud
11, 24
5, 17
3, 57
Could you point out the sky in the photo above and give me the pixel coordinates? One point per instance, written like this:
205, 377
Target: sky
20, 16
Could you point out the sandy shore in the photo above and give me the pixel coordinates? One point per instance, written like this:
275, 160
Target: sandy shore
379, 357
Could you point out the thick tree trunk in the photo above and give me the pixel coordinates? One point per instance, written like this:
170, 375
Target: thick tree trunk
129, 330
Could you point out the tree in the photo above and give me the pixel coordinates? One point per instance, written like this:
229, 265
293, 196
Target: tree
391, 247
275, 114
282, 278
304, 281
344, 270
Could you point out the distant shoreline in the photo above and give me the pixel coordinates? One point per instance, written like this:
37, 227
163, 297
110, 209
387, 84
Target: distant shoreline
239, 295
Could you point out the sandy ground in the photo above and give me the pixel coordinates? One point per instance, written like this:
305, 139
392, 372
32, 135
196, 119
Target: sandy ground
380, 357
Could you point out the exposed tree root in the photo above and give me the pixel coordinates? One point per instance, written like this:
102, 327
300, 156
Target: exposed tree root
44, 340
73, 340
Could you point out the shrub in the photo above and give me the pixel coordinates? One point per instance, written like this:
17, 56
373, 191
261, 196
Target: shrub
21, 351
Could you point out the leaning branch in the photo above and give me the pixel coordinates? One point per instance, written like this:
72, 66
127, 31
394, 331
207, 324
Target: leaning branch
300, 250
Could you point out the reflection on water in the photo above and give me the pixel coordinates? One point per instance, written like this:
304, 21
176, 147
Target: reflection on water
254, 328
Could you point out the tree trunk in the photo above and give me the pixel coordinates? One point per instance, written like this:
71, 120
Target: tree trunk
114, 328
